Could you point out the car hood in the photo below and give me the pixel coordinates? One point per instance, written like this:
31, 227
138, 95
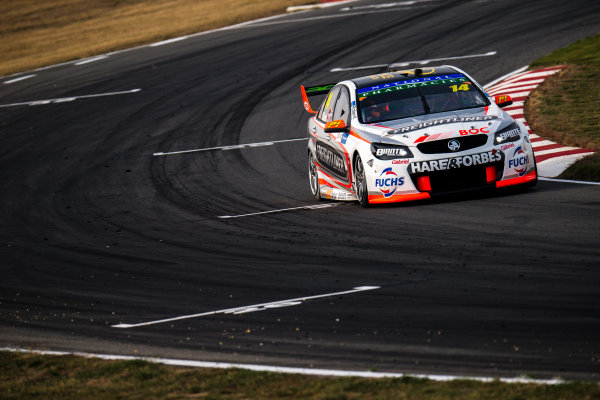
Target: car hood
445, 125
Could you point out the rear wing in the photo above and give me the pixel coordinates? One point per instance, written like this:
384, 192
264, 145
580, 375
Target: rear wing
313, 91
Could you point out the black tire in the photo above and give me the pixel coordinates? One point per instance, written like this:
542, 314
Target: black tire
360, 183
313, 177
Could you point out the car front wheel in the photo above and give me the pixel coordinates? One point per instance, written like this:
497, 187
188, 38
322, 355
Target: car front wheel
360, 182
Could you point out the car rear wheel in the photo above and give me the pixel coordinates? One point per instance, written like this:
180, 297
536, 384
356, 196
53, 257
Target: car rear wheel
313, 177
360, 183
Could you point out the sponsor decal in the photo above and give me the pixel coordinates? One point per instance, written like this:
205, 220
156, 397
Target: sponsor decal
456, 162
474, 131
388, 182
318, 89
328, 99
344, 138
507, 146
386, 75
353, 110
519, 161
390, 152
410, 83
331, 160
443, 121
404, 161
510, 134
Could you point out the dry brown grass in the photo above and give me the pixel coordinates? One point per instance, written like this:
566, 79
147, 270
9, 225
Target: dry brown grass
564, 108
36, 33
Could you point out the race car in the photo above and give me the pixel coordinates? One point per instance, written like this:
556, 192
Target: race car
410, 135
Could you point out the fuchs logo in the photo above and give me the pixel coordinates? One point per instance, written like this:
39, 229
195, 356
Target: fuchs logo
454, 145
388, 182
519, 161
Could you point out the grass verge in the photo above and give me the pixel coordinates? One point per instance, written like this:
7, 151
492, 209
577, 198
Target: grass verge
566, 107
38, 33
28, 376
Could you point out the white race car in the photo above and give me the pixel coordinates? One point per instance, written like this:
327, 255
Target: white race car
409, 135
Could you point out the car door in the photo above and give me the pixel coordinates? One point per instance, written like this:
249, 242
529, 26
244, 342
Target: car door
330, 149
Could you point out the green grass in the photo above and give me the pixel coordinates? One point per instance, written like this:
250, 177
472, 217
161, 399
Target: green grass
566, 107
31, 376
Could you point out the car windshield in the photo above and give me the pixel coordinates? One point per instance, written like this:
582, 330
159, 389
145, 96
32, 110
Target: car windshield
409, 98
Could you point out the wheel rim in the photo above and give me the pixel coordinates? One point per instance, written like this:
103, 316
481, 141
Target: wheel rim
312, 175
360, 178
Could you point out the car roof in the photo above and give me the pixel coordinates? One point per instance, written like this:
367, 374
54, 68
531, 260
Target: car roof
394, 76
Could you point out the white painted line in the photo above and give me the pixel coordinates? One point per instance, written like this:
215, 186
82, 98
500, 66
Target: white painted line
557, 150
21, 78
524, 77
318, 5
541, 143
568, 181
512, 89
406, 63
311, 207
381, 5
514, 85
67, 99
232, 147
168, 41
91, 60
503, 77
554, 166
252, 308
286, 370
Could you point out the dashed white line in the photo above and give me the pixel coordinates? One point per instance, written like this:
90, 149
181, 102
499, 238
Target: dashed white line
67, 99
318, 5
251, 308
380, 5
288, 370
231, 147
407, 63
177, 39
21, 78
310, 207
91, 60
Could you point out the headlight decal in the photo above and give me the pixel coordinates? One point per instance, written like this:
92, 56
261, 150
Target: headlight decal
390, 151
511, 133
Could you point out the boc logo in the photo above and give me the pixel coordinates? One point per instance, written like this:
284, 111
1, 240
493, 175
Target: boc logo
519, 161
388, 182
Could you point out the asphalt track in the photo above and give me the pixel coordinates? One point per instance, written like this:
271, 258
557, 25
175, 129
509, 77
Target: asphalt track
97, 231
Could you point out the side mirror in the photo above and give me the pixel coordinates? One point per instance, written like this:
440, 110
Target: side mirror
336, 126
503, 100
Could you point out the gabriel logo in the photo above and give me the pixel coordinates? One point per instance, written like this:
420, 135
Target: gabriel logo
454, 145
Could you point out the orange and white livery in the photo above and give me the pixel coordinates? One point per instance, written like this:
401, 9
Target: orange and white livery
410, 135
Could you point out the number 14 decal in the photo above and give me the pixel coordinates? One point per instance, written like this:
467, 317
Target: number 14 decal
464, 86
